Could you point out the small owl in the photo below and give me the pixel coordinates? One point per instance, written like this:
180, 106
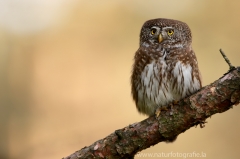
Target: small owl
165, 67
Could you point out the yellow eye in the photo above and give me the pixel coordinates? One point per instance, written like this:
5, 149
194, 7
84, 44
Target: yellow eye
153, 31
170, 32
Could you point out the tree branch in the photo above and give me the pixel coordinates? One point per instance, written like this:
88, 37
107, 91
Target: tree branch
215, 98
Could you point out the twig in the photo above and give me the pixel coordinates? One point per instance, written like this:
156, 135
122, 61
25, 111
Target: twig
227, 60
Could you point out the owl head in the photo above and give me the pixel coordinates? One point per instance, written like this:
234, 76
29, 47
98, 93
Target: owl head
166, 32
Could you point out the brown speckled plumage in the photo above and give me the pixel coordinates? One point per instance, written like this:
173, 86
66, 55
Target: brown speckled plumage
165, 66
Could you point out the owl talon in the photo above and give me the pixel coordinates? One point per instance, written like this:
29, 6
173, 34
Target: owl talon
158, 112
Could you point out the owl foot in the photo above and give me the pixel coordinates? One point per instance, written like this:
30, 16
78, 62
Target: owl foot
175, 102
159, 109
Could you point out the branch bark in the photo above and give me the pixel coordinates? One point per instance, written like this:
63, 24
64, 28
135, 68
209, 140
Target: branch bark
215, 98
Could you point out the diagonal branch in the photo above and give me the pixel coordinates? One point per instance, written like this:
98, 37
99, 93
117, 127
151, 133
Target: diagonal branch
215, 98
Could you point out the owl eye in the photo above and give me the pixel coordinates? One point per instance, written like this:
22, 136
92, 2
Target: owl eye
170, 32
153, 31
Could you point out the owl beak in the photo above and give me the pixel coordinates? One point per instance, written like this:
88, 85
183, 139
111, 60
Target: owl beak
160, 38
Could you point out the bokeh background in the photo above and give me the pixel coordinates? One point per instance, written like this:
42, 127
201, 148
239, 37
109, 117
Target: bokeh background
65, 70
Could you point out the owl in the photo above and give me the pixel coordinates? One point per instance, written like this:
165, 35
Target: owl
165, 68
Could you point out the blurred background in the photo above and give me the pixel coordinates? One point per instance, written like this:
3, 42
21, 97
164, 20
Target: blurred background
65, 70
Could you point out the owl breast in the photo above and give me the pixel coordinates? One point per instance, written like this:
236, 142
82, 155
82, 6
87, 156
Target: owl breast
161, 83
